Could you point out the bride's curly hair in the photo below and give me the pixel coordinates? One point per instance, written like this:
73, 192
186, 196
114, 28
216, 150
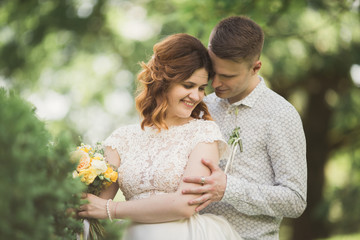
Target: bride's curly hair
174, 60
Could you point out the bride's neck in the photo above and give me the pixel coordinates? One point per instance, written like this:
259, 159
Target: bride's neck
177, 122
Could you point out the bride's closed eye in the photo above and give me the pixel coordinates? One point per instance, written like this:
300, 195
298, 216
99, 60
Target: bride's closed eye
189, 86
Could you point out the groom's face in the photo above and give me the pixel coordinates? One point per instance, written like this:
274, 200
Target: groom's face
232, 80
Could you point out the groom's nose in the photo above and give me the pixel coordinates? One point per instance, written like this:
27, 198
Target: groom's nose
216, 81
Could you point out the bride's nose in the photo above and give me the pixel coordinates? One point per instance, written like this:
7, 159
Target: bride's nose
195, 95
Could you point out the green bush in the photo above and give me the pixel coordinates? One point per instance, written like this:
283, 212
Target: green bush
36, 185
36, 188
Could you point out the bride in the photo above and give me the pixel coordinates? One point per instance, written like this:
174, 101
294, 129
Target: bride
176, 132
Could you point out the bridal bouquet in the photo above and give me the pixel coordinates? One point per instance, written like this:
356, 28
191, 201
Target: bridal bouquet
97, 174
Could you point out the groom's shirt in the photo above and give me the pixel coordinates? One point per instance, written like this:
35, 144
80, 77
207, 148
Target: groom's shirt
267, 179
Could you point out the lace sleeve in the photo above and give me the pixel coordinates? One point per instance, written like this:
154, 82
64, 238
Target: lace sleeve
209, 131
117, 140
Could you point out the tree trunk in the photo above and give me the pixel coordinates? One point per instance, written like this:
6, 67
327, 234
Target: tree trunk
311, 224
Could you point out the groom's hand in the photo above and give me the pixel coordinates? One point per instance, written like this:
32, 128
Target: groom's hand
213, 188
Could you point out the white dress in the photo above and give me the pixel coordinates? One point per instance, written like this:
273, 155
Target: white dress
153, 163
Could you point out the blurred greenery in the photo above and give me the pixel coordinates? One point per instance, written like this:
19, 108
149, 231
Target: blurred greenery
343, 237
36, 185
77, 60
37, 188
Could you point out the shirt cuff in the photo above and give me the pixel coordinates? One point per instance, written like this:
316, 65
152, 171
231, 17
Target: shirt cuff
233, 190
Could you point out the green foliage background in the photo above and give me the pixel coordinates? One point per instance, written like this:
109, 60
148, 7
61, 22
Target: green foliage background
86, 54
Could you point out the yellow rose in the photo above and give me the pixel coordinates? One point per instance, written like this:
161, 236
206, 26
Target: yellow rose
84, 161
111, 174
88, 175
108, 172
114, 176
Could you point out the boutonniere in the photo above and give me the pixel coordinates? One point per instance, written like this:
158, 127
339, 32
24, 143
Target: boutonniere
234, 141
235, 138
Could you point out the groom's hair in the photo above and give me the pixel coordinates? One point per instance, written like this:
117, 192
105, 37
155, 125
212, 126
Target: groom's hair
237, 38
174, 60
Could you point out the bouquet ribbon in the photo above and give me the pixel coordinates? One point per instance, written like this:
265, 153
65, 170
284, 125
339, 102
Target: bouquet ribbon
86, 231
234, 146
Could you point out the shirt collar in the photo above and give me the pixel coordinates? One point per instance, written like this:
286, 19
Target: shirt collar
252, 97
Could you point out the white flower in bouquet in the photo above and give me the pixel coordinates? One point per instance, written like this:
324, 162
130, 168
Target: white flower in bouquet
99, 166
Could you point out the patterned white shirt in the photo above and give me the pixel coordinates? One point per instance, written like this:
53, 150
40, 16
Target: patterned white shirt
268, 179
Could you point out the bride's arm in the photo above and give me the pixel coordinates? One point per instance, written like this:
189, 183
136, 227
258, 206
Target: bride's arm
158, 208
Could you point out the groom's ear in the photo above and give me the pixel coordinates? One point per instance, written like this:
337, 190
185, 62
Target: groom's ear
257, 66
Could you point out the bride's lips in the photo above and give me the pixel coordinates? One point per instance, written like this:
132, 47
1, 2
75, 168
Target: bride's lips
188, 103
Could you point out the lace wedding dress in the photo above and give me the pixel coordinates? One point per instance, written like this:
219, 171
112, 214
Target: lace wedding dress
153, 163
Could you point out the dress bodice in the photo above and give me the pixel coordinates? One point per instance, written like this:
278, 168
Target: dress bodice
153, 162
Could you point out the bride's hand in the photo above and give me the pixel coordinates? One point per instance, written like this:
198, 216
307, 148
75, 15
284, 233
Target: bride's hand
213, 188
96, 208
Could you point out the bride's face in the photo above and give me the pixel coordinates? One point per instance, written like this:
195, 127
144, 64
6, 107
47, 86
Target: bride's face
185, 96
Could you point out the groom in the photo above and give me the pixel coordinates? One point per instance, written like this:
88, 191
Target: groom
267, 179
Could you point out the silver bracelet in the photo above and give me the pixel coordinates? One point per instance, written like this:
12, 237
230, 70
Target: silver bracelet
108, 209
